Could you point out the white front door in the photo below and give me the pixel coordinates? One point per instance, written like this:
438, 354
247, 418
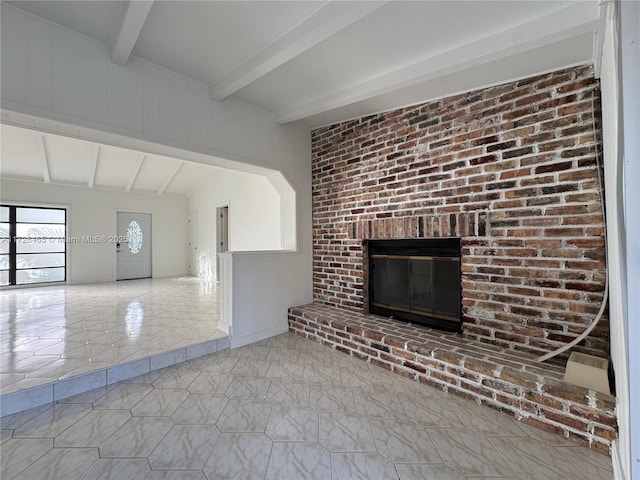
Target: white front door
134, 245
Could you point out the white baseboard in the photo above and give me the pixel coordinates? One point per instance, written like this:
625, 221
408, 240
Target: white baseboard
261, 335
616, 460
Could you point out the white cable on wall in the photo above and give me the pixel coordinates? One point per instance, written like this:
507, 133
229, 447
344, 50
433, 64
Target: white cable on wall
605, 296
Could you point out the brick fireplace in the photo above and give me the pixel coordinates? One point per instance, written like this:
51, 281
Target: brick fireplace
511, 170
416, 280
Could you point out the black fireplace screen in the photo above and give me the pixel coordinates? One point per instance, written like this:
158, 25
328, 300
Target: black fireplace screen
416, 280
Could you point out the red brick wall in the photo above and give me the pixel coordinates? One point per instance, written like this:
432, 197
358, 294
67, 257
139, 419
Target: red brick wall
511, 169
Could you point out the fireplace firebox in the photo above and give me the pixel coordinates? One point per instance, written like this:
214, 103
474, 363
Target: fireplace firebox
416, 280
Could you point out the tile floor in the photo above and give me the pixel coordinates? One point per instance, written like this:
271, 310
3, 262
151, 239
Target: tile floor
285, 407
57, 332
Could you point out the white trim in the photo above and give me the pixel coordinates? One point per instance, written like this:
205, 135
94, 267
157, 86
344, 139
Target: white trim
170, 177
255, 337
324, 22
135, 14
569, 22
616, 461
135, 169
93, 164
629, 51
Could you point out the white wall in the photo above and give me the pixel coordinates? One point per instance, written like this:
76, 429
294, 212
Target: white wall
619, 85
52, 73
254, 213
264, 284
630, 114
92, 212
57, 81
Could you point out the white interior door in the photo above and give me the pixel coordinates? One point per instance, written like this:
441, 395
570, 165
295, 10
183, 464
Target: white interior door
133, 258
193, 244
222, 234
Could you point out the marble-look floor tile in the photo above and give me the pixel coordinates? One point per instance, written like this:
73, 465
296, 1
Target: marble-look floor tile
218, 363
93, 429
496, 478
185, 447
469, 453
8, 379
284, 392
351, 428
86, 328
62, 464
361, 380
429, 411
210, 382
244, 416
251, 367
36, 345
239, 455
148, 377
331, 399
283, 355
137, 438
86, 397
18, 454
404, 441
200, 409
20, 418
165, 352
316, 357
293, 424
485, 420
546, 437
69, 387
123, 396
295, 461
592, 463
362, 466
401, 384
423, 471
118, 468
176, 475
52, 421
378, 404
249, 388
322, 375
346, 432
285, 371
5, 435
160, 402
114, 355
133, 367
532, 460
36, 389
256, 352
42, 364
86, 351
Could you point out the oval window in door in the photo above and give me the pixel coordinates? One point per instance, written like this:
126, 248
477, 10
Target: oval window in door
134, 237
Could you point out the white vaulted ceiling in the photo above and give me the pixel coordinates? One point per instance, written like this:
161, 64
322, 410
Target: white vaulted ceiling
34, 156
321, 62
316, 62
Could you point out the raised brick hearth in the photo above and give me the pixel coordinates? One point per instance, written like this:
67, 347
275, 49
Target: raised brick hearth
513, 382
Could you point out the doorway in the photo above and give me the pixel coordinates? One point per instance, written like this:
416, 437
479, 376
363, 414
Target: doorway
222, 234
133, 247
194, 268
